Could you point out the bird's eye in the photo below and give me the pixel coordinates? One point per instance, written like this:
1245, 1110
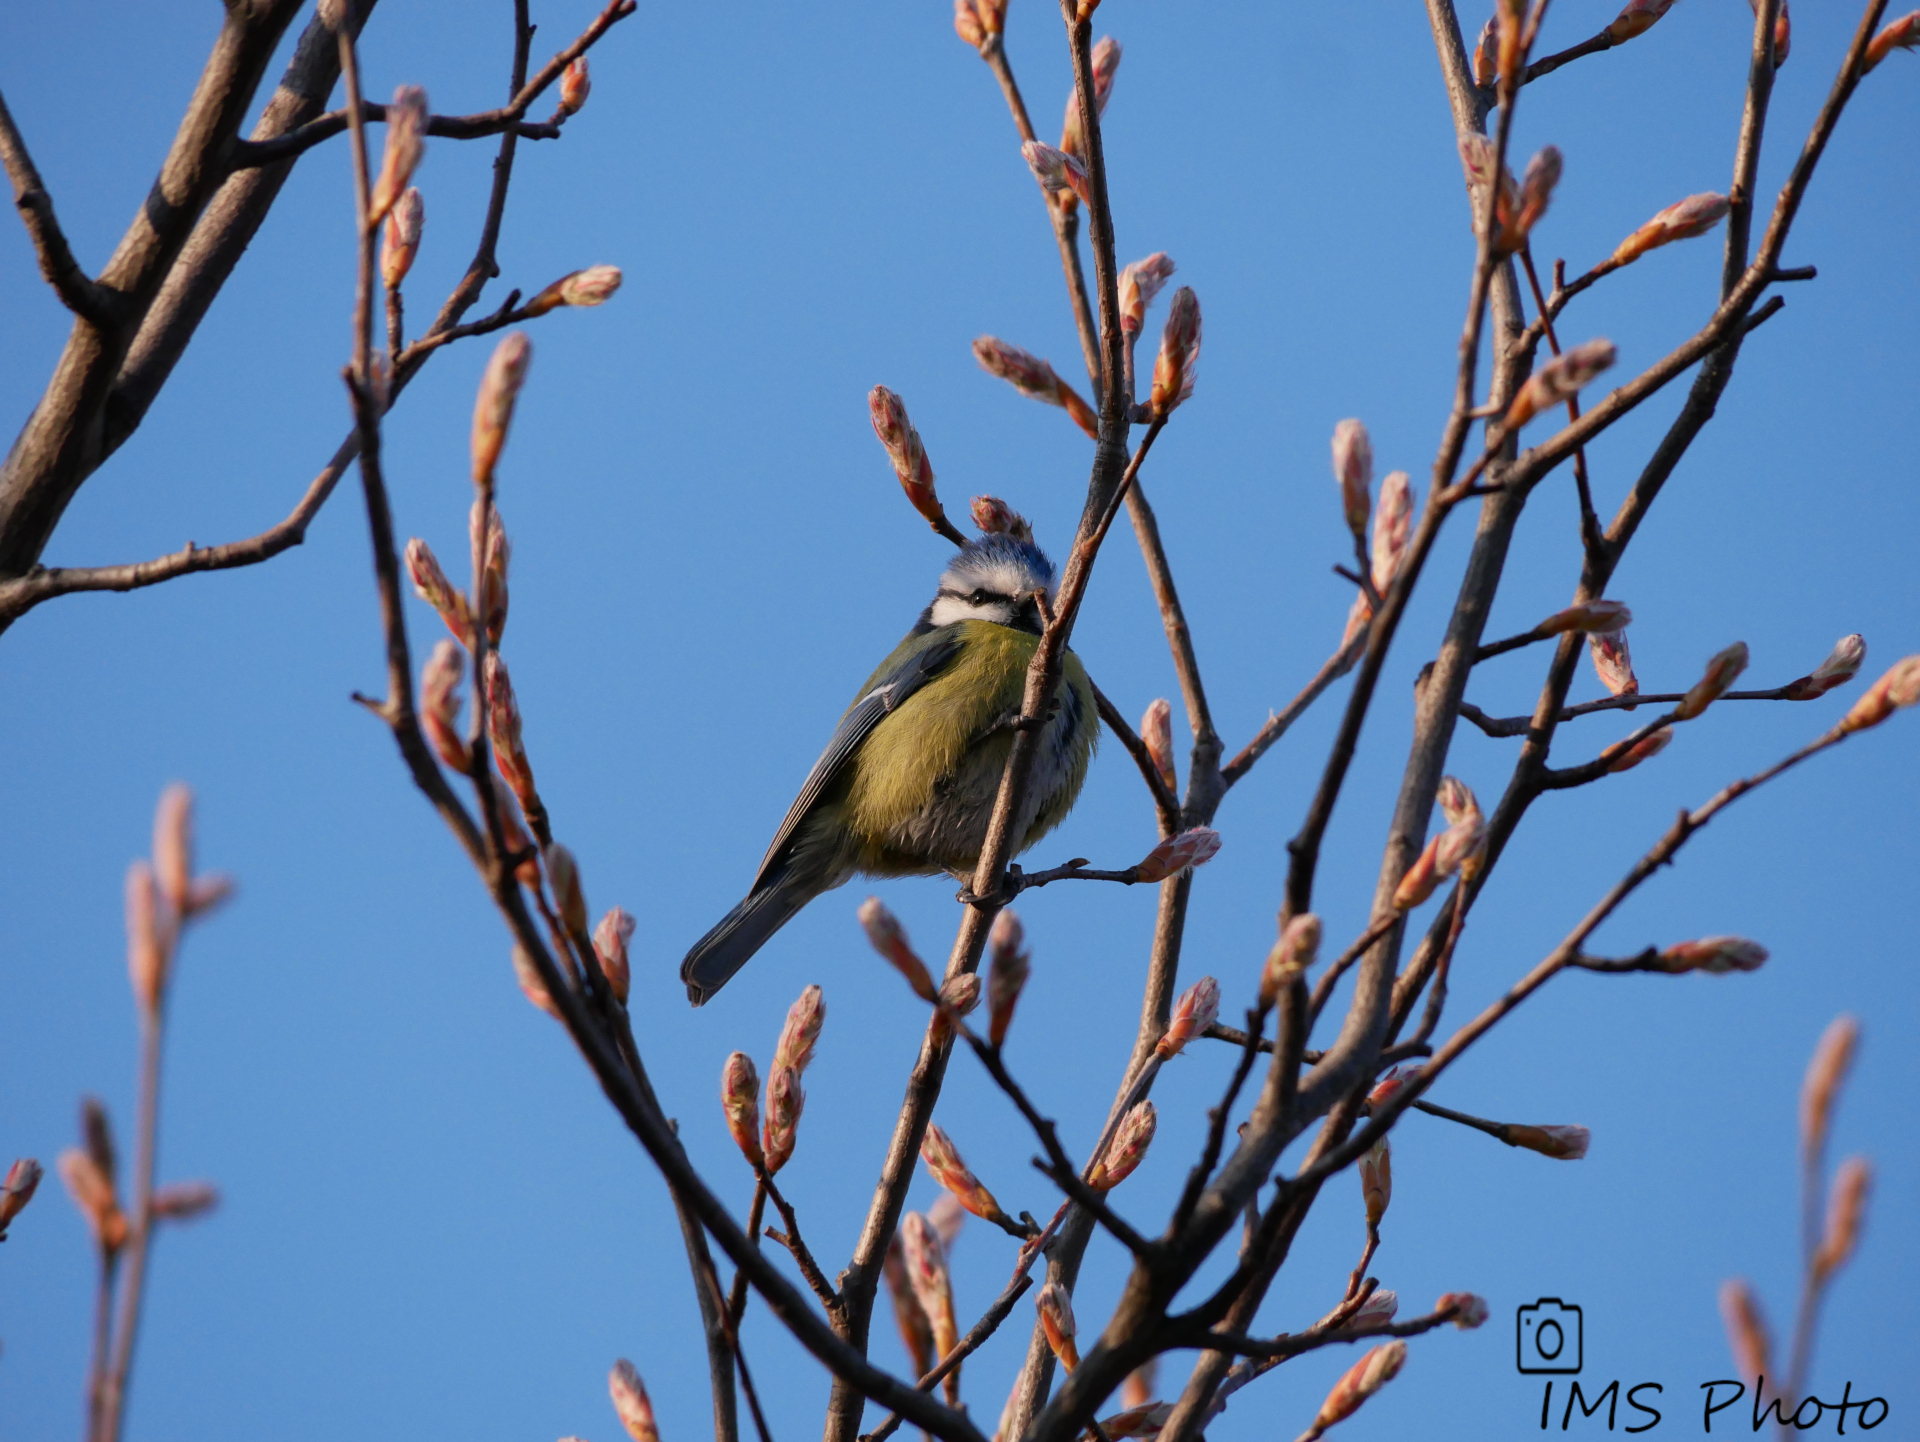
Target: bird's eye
979, 597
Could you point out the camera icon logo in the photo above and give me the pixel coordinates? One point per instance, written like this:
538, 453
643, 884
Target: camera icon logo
1547, 1334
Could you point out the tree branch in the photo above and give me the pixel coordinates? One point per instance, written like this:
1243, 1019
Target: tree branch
78, 293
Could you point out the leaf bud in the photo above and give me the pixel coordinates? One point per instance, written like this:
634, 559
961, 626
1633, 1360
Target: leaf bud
406, 132
1560, 379
431, 585
1624, 758
1566, 1144
1193, 1013
1827, 1072
1682, 220
780, 1130
1898, 688
1292, 954
1612, 662
801, 1032
185, 1201
532, 985
173, 846
1156, 734
1722, 671
1588, 617
22, 1180
1846, 1214
610, 940
1353, 469
1127, 1149
1140, 282
1392, 520
1056, 170
575, 86
995, 517
909, 456
1365, 1377
149, 942
400, 237
493, 406
950, 1171
591, 286
1034, 378
740, 1100
631, 1403
1195, 847
927, 1274
1376, 1180
440, 704
1055, 1306
1006, 976
1901, 34
1174, 366
890, 940
1843, 663
1469, 1310
1638, 18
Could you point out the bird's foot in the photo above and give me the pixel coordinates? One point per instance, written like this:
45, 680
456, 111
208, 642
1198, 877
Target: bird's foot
1011, 885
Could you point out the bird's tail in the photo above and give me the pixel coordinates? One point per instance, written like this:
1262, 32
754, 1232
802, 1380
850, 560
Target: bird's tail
741, 932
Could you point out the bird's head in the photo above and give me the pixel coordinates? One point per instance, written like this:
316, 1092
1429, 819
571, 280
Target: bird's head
996, 578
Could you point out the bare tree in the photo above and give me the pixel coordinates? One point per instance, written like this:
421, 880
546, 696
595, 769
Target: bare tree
1386, 1052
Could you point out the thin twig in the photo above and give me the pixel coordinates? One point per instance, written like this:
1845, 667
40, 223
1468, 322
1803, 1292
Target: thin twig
1165, 804
822, 1288
87, 299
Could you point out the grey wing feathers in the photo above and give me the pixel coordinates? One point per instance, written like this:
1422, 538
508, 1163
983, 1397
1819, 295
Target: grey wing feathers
866, 713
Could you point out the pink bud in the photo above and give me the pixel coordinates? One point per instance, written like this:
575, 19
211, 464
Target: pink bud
1637, 19
740, 1100
532, 985
1536, 191
1682, 220
1392, 520
1722, 671
631, 1402
431, 585
1365, 1377
1457, 801
1832, 1060
780, 1131
610, 940
406, 131
1353, 469
890, 940
1846, 1215
1127, 1149
1033, 378
1629, 757
1843, 663
575, 86
1588, 617
801, 1033
1898, 688
92, 1192
149, 938
1007, 976
23, 1179
185, 1201
1486, 54
1901, 34
915, 1330
946, 1216
1612, 662
966, 24
1381, 1306
1717, 955
1782, 32
1106, 62
1292, 954
951, 1171
1174, 366
400, 237
1376, 1180
1140, 1385
961, 995
1558, 380
1566, 1144
440, 705
1056, 170
1156, 733
1055, 1306
569, 899
1469, 1311
1746, 1331
503, 729
580, 287
995, 517
927, 1274
493, 407
173, 846
1176, 854
903, 447
1193, 1013
1139, 284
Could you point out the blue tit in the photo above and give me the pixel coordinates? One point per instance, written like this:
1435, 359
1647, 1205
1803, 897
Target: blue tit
907, 785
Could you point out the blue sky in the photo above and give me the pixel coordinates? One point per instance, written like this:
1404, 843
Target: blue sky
433, 1225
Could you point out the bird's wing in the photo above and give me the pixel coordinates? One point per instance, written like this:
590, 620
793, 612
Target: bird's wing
888, 691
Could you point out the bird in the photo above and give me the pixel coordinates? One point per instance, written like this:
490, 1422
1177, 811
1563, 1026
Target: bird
907, 784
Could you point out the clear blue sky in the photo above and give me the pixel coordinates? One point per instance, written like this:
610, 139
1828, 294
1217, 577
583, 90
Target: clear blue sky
434, 1226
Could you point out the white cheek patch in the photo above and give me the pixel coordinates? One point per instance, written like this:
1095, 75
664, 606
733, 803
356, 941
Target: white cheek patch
949, 609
